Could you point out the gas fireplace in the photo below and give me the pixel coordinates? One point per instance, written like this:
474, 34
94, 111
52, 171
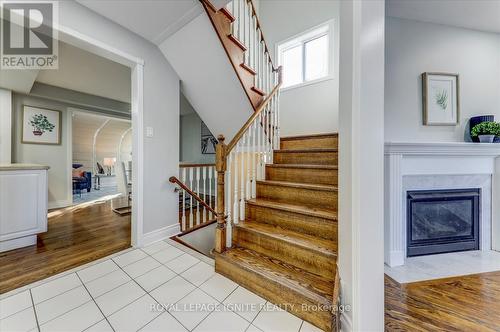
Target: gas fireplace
440, 221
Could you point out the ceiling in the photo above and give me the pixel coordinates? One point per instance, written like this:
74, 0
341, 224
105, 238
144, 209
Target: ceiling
86, 72
155, 20
481, 15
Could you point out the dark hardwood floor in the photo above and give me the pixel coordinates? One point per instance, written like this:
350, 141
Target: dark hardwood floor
467, 303
76, 235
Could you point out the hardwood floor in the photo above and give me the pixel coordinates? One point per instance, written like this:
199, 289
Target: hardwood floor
467, 303
75, 236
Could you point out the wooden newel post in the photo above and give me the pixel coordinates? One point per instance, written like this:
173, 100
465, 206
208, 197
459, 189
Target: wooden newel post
220, 166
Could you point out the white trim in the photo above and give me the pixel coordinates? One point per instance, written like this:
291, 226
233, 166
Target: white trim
303, 84
161, 234
442, 149
305, 36
19, 242
69, 156
179, 24
96, 46
345, 323
137, 103
107, 51
60, 204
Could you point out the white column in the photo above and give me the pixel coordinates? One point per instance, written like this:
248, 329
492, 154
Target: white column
361, 184
495, 225
395, 242
5, 126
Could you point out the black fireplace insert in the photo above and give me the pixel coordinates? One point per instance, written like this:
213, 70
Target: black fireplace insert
440, 221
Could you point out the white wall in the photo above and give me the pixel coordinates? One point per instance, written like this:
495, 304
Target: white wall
160, 107
413, 48
312, 108
58, 157
5, 125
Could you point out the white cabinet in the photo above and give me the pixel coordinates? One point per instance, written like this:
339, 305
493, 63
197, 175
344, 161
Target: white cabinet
23, 204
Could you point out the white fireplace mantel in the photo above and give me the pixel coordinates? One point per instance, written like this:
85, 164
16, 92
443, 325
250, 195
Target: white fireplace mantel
432, 159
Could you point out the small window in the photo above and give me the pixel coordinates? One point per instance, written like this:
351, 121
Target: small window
306, 58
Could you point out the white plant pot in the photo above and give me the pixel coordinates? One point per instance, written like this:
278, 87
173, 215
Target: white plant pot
486, 138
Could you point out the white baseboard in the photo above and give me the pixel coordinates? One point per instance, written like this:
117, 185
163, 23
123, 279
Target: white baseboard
160, 234
18, 243
60, 204
345, 322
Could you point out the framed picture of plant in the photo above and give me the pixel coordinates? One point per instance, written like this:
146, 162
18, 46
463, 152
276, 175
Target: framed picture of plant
40, 126
441, 99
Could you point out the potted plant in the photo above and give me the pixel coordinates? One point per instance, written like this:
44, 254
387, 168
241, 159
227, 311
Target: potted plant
486, 131
40, 124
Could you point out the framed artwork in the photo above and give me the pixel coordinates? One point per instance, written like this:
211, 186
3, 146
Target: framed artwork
41, 126
441, 99
208, 141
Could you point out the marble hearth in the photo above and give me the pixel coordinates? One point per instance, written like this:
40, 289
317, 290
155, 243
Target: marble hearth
439, 166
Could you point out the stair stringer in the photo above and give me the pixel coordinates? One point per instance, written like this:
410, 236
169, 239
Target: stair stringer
208, 79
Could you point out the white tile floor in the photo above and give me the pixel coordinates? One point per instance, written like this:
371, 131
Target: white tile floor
445, 265
163, 287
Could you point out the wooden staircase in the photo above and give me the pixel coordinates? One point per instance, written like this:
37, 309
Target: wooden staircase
286, 248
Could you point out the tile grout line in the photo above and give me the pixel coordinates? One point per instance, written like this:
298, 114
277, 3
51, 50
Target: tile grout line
221, 303
34, 310
106, 318
148, 293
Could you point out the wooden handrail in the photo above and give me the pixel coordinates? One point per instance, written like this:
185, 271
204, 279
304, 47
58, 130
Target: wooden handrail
196, 165
250, 120
174, 180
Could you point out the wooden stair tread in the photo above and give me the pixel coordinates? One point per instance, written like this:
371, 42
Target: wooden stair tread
302, 209
226, 12
237, 42
258, 91
312, 150
322, 187
305, 166
247, 68
316, 288
318, 245
301, 137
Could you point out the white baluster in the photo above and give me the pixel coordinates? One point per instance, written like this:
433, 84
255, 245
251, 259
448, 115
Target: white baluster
242, 179
261, 146
210, 213
239, 21
236, 201
191, 216
248, 164
204, 180
228, 189
254, 157
215, 189
183, 197
198, 193
230, 8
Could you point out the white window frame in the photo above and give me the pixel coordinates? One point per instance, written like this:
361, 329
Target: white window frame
302, 38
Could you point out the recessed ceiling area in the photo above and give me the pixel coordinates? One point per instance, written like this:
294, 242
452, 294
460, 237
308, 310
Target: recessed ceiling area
483, 15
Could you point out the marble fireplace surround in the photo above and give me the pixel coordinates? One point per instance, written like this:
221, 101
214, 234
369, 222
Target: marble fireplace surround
430, 166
